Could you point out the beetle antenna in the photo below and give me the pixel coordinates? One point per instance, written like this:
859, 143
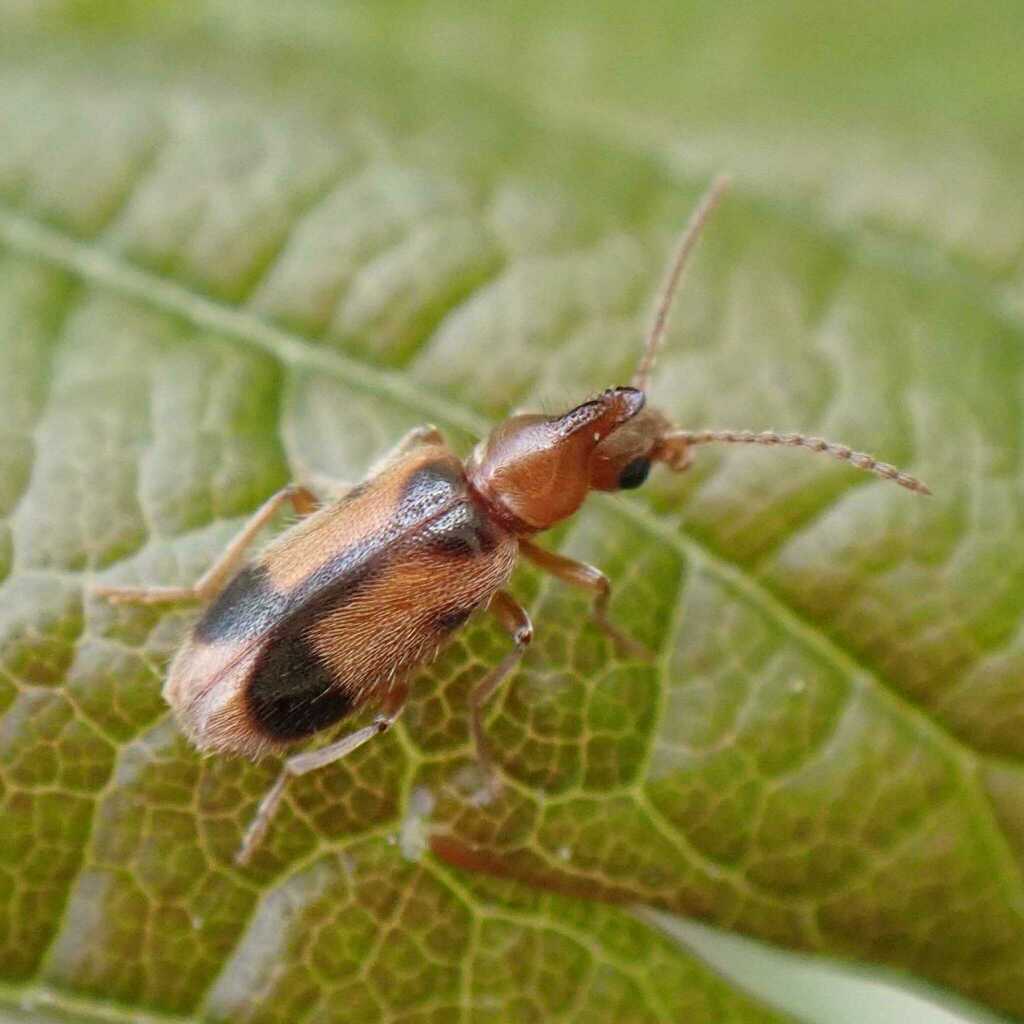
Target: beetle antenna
691, 233
686, 438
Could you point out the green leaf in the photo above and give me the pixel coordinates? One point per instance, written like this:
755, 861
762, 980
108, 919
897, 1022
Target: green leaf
240, 242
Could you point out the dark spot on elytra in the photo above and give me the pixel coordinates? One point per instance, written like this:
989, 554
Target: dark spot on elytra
334, 582
429, 488
248, 606
464, 531
292, 693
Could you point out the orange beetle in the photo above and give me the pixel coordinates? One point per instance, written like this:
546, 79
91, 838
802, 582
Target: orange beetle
341, 607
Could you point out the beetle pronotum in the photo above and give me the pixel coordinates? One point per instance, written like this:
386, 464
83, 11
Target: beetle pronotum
341, 607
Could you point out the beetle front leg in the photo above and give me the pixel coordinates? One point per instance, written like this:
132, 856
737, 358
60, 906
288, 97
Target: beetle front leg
588, 577
212, 581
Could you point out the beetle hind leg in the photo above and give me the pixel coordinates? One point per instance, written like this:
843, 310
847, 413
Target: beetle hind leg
309, 761
212, 581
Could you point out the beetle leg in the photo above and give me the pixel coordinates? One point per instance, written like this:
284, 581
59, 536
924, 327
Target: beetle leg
514, 617
426, 433
212, 581
579, 574
415, 438
301, 764
327, 489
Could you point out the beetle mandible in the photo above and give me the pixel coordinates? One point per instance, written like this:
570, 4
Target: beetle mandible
338, 610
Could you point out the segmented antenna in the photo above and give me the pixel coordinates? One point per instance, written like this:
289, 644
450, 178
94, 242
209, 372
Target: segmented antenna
816, 444
689, 238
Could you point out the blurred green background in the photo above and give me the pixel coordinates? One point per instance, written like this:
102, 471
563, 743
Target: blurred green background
239, 240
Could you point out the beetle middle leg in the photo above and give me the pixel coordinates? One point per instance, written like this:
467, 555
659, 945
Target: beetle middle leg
302, 764
212, 581
588, 577
514, 617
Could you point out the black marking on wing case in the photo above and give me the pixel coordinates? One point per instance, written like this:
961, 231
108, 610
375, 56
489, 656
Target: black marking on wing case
429, 488
247, 607
462, 532
292, 693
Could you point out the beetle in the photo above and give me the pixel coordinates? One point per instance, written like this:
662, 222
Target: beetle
341, 607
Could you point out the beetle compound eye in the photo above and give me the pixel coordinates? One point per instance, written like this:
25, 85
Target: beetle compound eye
634, 474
